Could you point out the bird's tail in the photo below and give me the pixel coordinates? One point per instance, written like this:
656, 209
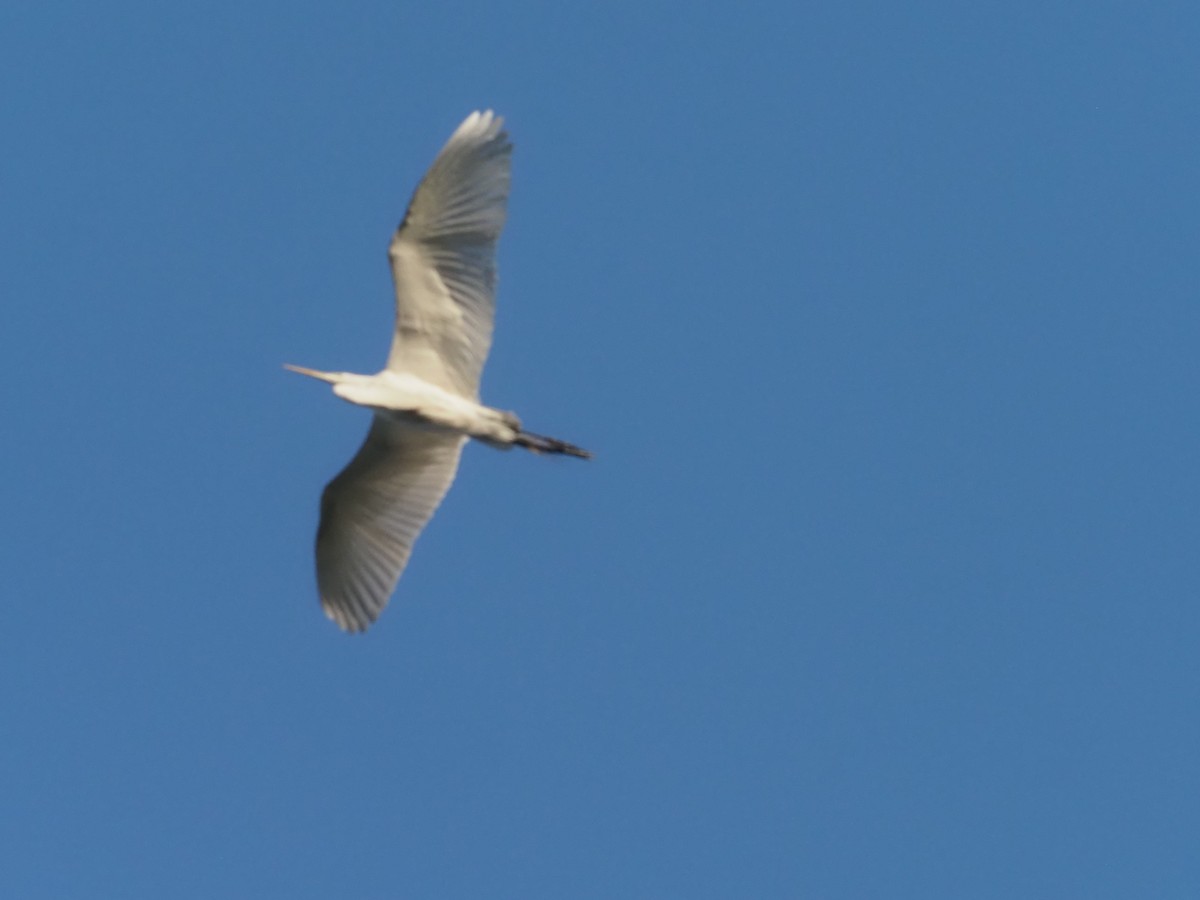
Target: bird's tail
541, 444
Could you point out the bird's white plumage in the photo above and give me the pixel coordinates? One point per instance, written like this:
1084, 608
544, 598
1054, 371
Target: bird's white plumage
443, 258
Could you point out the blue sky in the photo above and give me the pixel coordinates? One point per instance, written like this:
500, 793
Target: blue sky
882, 321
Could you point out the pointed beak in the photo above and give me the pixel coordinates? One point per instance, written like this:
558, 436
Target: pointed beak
313, 373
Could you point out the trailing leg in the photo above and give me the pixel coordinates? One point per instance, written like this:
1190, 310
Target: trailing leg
541, 444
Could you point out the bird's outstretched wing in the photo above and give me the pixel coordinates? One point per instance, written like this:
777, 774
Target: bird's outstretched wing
371, 514
443, 258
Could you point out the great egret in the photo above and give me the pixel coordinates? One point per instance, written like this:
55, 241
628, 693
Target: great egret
426, 400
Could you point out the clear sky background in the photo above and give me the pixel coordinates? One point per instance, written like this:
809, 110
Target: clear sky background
882, 319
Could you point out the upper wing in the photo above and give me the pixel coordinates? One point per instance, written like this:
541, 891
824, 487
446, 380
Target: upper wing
371, 514
443, 258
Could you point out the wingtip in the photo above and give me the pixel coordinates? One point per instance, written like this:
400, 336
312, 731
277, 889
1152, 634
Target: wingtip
482, 122
345, 620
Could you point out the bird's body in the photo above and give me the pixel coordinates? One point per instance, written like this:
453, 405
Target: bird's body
411, 402
426, 400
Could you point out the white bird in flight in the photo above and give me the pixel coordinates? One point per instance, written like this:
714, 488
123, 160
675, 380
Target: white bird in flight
426, 400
